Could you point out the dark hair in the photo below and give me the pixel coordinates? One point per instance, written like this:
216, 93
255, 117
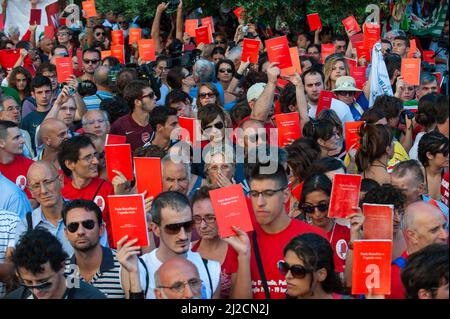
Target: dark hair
87, 88
176, 96
301, 154
442, 109
13, 81
313, 71
279, 176
115, 108
4, 126
160, 115
373, 143
218, 50
134, 91
402, 38
425, 269
92, 50
313, 45
372, 115
319, 129
426, 111
368, 184
318, 182
45, 67
433, 142
390, 105
326, 164
150, 151
37, 247
240, 111
386, 194
331, 115
339, 37
287, 98
174, 200
316, 253
70, 151
393, 62
202, 193
401, 169
125, 76
60, 46
40, 81
209, 113
225, 61
112, 61
263, 58
88, 205
175, 78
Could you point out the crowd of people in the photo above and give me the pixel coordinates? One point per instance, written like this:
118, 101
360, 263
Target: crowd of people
55, 227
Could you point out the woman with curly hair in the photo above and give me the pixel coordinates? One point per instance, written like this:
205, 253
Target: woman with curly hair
20, 80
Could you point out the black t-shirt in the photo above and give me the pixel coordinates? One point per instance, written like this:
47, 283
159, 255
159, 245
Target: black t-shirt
31, 122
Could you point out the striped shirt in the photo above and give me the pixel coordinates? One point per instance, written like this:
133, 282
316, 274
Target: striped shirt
8, 223
93, 101
107, 279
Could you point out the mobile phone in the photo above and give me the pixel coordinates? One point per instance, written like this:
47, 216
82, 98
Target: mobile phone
231, 44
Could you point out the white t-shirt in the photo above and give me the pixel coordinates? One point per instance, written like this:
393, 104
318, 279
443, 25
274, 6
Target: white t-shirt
153, 264
413, 152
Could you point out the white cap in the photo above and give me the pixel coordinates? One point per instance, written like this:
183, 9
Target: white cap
255, 91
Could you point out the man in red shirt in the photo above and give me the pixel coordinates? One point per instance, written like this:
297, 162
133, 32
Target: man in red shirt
423, 224
273, 230
135, 126
13, 165
79, 161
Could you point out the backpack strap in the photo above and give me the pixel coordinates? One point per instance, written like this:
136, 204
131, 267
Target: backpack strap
147, 279
205, 263
400, 262
29, 219
98, 189
260, 266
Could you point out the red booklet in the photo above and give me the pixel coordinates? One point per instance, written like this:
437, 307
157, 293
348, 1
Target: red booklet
147, 50
371, 35
239, 12
412, 48
327, 49
371, 267
411, 71
278, 51
296, 66
190, 129
117, 37
203, 35
359, 37
350, 24
344, 195
230, 209
324, 103
359, 74
148, 175
64, 69
35, 16
118, 157
134, 35
118, 52
112, 139
2, 23
362, 51
439, 80
428, 56
89, 8
250, 49
352, 134
79, 55
128, 218
8, 58
314, 21
378, 222
351, 63
288, 126
208, 21
297, 191
105, 54
190, 25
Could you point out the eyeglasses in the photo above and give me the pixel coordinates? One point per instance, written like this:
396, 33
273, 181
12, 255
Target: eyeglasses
88, 224
218, 125
46, 183
100, 121
346, 93
173, 229
99, 34
208, 219
13, 108
178, 287
310, 209
226, 70
204, 95
87, 61
89, 158
43, 286
297, 271
267, 193
62, 34
151, 95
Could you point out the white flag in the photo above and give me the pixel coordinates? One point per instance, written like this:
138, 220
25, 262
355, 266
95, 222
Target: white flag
380, 84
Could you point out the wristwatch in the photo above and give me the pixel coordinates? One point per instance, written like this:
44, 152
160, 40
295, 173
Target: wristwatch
238, 76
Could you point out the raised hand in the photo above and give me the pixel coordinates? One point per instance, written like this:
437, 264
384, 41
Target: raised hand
273, 72
120, 183
127, 254
240, 242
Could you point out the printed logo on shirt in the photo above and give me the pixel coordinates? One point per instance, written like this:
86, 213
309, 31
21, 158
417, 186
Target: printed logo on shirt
341, 248
21, 181
129, 132
145, 137
100, 201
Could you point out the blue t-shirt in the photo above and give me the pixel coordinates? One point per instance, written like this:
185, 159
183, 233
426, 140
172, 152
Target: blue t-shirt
12, 198
194, 92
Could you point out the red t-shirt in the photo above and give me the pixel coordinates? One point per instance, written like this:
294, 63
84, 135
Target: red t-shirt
445, 188
397, 290
17, 172
136, 135
339, 238
100, 198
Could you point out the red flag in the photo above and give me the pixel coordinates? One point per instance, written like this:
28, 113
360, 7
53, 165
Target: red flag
52, 11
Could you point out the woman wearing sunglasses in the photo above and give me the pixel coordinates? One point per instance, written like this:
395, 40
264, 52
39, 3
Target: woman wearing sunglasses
225, 71
213, 120
309, 269
347, 92
326, 135
207, 94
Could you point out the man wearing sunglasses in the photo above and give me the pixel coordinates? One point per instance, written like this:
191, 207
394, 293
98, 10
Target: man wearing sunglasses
91, 61
172, 223
39, 261
273, 230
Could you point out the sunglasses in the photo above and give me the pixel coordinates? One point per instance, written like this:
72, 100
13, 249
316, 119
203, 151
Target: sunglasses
310, 209
297, 271
88, 224
346, 93
218, 125
226, 70
40, 287
204, 95
100, 33
173, 229
151, 95
86, 61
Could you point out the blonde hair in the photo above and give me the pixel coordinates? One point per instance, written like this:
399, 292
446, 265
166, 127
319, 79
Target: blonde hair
330, 62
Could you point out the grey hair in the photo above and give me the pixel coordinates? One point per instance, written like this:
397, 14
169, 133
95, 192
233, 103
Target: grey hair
205, 71
427, 77
103, 113
3, 99
168, 158
235, 54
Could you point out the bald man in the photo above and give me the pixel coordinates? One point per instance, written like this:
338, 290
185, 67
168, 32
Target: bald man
178, 278
423, 224
104, 90
50, 135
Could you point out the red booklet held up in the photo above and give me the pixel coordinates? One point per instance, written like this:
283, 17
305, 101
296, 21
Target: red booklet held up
89, 8
359, 37
352, 134
208, 21
128, 218
350, 24
203, 35
327, 49
230, 209
278, 51
104, 54
371, 267
288, 126
250, 49
190, 131
412, 48
378, 221
147, 50
117, 37
8, 58
134, 35
118, 157
324, 103
429, 56
362, 51
296, 66
35, 16
411, 71
344, 195
148, 175
64, 69
239, 12
190, 25
112, 139
359, 74
118, 52
371, 35
314, 21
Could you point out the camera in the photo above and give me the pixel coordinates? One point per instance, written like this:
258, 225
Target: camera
173, 4
427, 67
146, 72
404, 113
112, 75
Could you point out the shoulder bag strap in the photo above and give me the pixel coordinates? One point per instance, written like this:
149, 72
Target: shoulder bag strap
29, 218
98, 189
147, 279
260, 266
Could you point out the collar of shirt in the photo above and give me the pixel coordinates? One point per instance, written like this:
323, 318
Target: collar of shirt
107, 260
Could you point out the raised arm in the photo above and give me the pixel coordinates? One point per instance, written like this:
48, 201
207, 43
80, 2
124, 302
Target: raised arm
156, 25
302, 104
180, 24
264, 103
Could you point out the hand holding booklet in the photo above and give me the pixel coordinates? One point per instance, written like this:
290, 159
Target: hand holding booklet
344, 195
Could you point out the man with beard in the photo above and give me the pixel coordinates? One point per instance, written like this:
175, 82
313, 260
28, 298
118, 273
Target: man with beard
313, 80
91, 262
